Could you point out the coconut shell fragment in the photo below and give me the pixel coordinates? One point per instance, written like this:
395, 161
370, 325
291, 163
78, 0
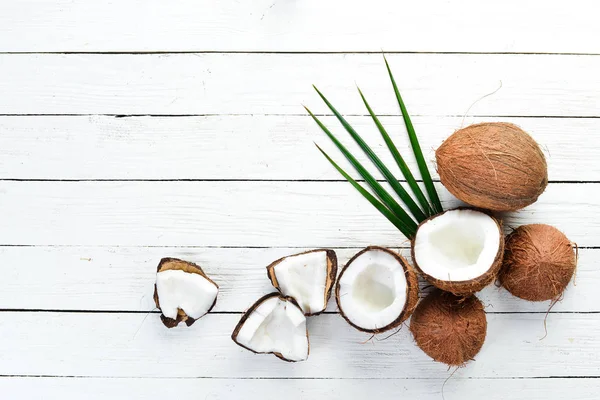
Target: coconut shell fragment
307, 276
539, 262
276, 325
448, 328
495, 166
184, 267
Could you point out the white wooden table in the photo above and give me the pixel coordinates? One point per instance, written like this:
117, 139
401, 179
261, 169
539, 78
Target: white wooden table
131, 130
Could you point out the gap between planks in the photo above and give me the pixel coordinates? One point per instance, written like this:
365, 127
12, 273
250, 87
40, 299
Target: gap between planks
269, 378
175, 115
167, 52
68, 311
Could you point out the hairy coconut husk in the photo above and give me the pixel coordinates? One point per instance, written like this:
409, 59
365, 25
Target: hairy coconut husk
331, 273
495, 166
251, 310
539, 261
412, 291
464, 288
177, 264
450, 329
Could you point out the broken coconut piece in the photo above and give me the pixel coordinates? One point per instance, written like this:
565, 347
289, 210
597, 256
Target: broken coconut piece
183, 292
377, 290
275, 324
459, 251
307, 277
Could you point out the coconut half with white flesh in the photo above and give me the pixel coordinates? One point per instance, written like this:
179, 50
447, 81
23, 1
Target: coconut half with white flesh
377, 290
307, 277
183, 292
275, 324
459, 251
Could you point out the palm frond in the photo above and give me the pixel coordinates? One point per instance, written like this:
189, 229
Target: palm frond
414, 141
400, 161
398, 223
390, 178
383, 195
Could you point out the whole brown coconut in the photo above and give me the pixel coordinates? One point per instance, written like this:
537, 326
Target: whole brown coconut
539, 262
494, 165
448, 328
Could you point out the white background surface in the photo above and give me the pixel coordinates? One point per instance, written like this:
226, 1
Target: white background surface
136, 129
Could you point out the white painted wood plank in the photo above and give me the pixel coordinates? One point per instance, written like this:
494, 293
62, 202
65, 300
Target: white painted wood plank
247, 214
246, 147
122, 278
110, 345
298, 389
310, 25
432, 84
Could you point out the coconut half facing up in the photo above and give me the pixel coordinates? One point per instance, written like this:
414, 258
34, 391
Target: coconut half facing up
183, 292
307, 277
275, 324
377, 290
459, 251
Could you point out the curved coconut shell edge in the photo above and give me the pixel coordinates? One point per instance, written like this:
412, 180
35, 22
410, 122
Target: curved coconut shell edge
332, 267
412, 291
464, 288
169, 263
250, 310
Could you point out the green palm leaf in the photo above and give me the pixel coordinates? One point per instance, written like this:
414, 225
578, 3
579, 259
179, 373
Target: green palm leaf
385, 197
414, 141
391, 179
409, 233
400, 161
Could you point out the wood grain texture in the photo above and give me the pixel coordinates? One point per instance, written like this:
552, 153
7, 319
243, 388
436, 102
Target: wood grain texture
299, 389
246, 214
122, 278
176, 84
130, 345
224, 82
248, 147
309, 25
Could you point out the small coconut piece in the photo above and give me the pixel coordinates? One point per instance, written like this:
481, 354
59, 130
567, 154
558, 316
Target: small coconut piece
495, 166
377, 290
307, 277
459, 251
275, 324
539, 261
183, 292
448, 328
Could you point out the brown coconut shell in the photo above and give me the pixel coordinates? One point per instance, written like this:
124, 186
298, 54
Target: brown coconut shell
412, 291
252, 308
448, 328
191, 268
465, 288
493, 165
331, 273
539, 262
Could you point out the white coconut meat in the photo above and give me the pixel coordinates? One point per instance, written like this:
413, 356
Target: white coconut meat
372, 289
307, 277
191, 292
275, 324
458, 245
